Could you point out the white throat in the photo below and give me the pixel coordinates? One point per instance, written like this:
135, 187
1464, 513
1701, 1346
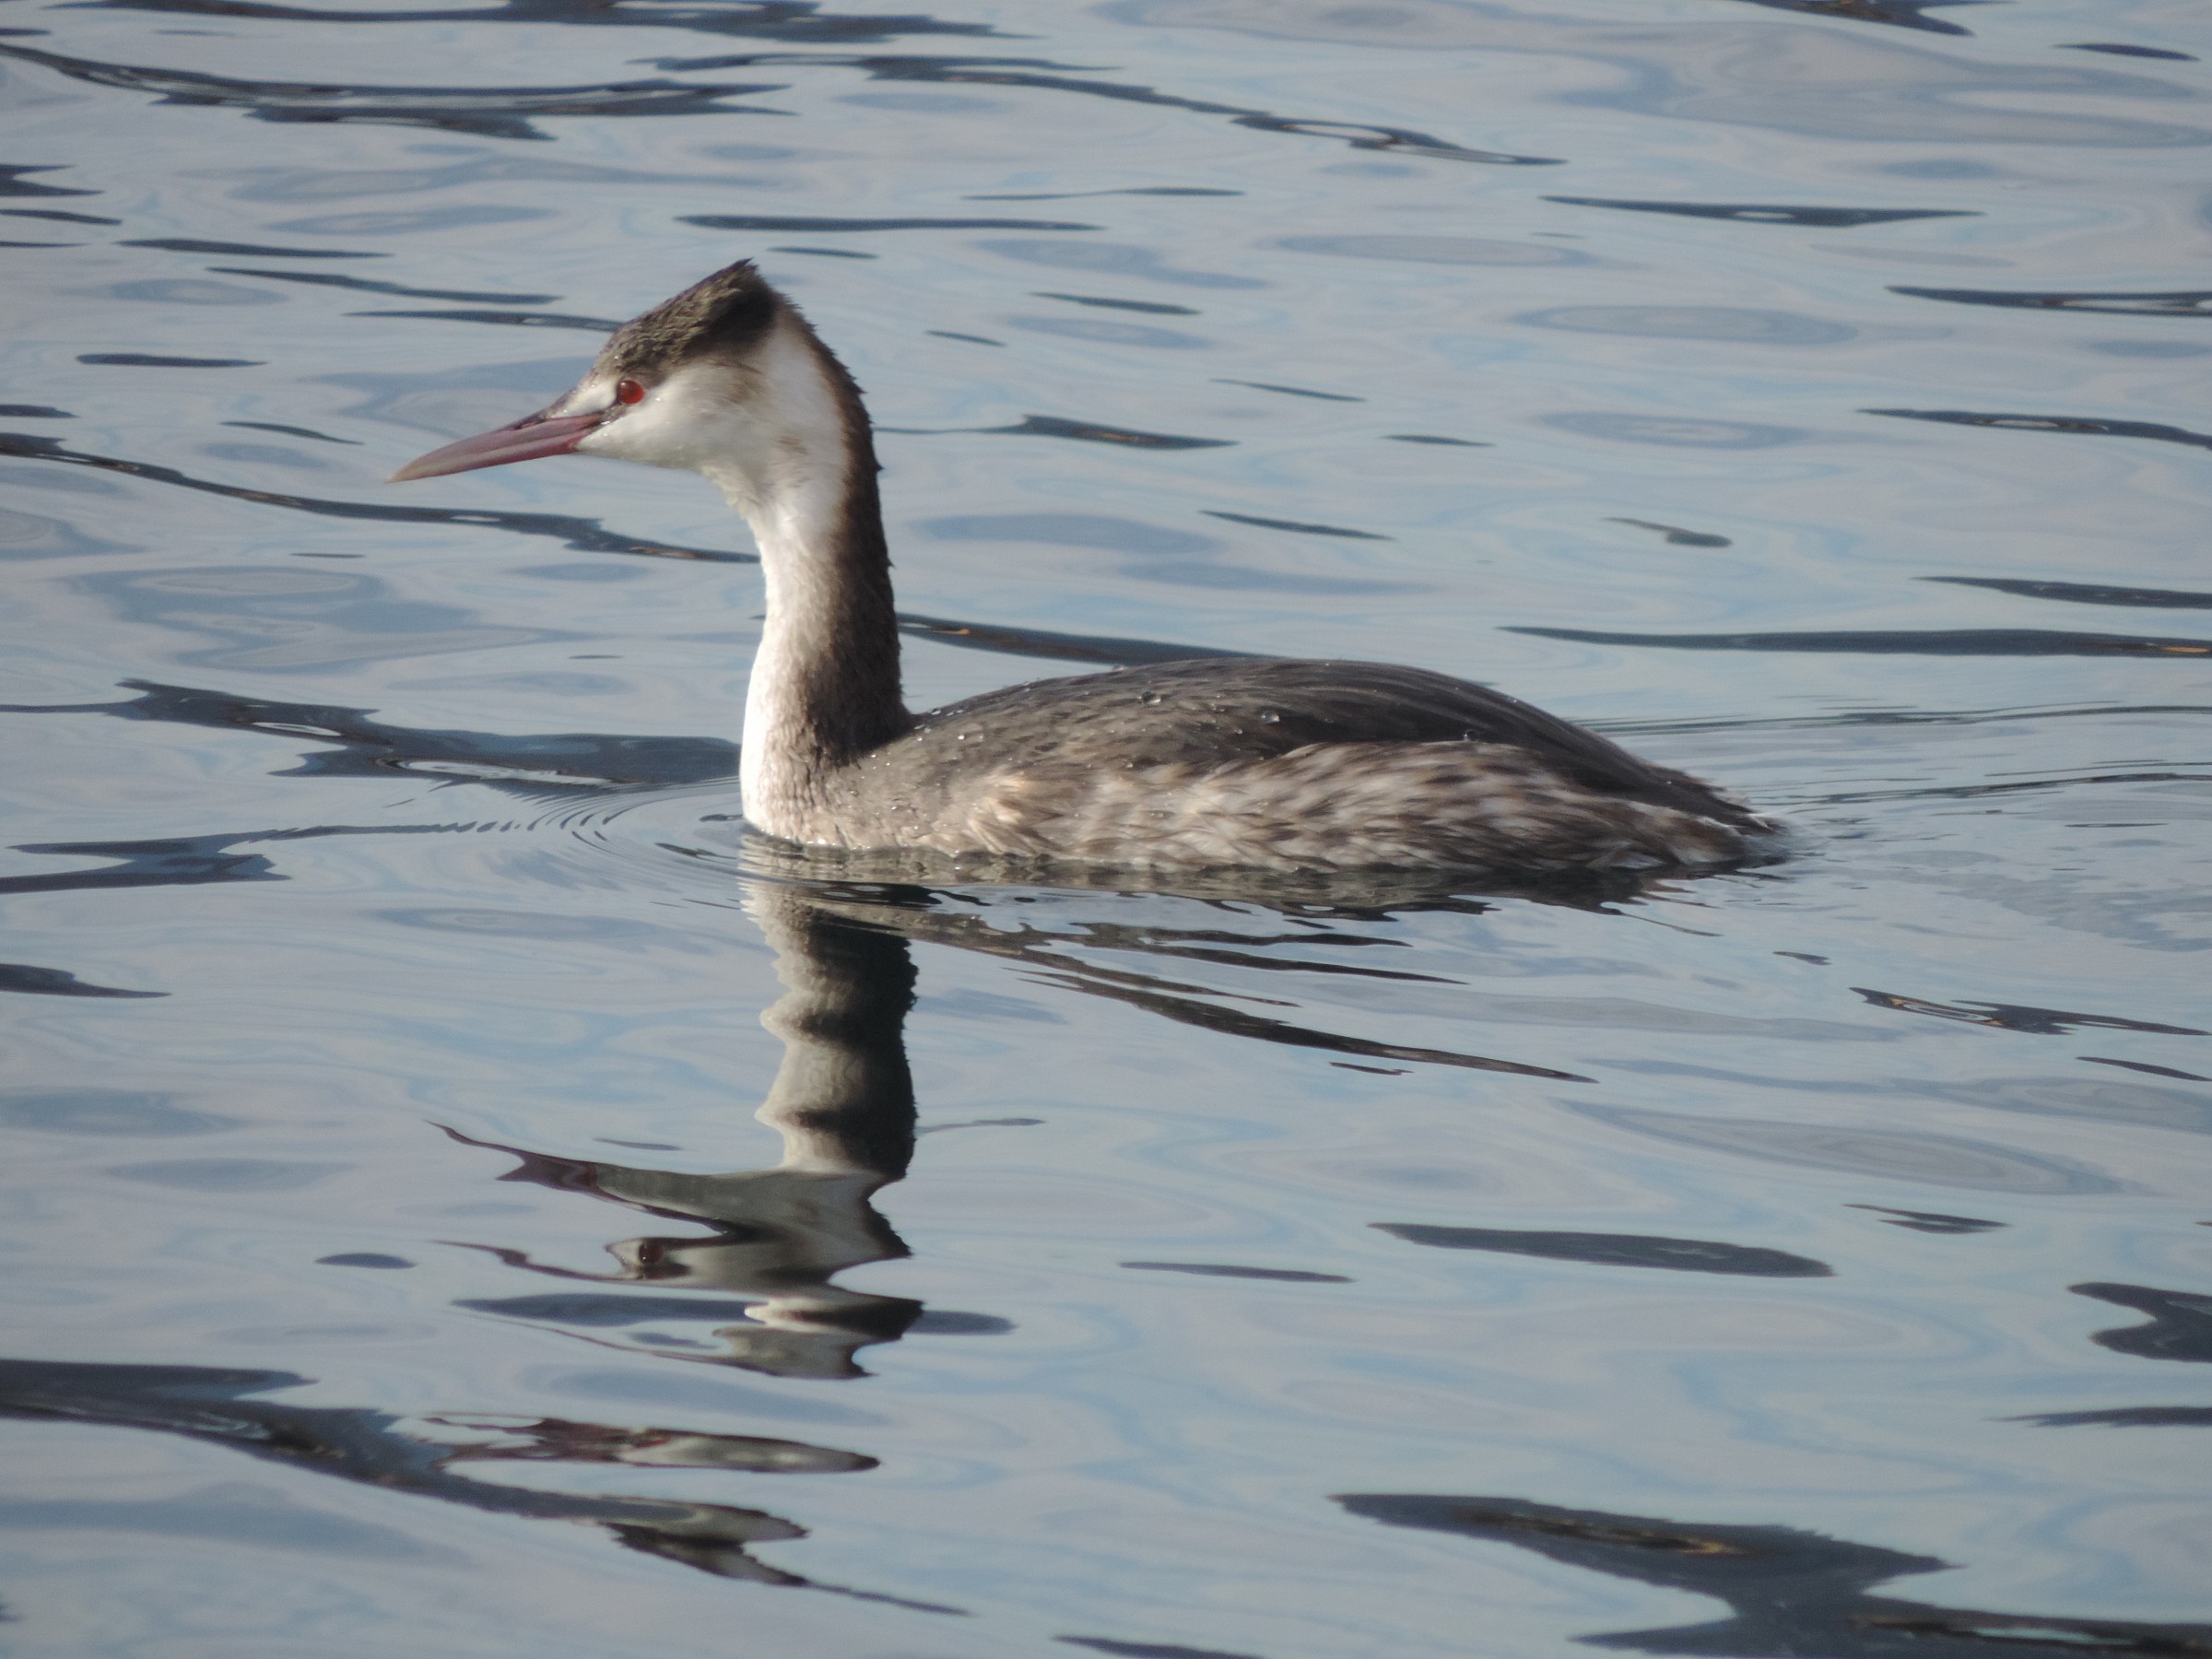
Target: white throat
772, 432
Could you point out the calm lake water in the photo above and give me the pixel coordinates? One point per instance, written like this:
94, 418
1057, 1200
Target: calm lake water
416, 1240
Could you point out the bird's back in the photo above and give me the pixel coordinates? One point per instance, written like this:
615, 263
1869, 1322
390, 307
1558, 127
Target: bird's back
1275, 762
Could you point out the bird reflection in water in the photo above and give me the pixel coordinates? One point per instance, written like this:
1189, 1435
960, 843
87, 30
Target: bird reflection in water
843, 1101
773, 1240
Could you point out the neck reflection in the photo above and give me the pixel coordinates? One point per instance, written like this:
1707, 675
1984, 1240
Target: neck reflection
843, 1102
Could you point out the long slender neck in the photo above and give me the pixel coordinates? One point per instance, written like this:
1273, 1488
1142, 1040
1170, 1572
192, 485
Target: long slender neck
825, 685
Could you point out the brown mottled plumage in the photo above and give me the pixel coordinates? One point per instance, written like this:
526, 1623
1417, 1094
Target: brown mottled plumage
1252, 763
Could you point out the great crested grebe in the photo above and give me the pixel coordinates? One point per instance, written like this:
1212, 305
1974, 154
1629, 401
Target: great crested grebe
1252, 762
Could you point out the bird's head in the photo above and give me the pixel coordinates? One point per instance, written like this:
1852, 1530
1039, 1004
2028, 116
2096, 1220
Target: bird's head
725, 379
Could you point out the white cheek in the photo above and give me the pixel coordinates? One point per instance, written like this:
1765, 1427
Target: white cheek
686, 422
768, 431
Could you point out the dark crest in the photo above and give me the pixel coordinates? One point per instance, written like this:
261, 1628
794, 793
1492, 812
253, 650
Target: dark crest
725, 313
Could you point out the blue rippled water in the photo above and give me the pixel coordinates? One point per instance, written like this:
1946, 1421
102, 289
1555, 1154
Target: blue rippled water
416, 1241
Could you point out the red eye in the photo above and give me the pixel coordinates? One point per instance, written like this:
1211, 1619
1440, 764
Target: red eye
629, 392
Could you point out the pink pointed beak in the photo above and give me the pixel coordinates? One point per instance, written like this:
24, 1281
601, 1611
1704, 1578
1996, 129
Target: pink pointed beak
526, 440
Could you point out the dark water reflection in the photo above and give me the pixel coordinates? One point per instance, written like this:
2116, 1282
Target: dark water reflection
1790, 1591
428, 1116
418, 1458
